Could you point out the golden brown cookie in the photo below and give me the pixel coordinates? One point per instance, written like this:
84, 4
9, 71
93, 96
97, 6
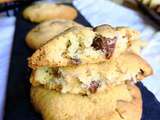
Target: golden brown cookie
91, 78
46, 31
80, 45
5, 1
42, 11
122, 102
126, 35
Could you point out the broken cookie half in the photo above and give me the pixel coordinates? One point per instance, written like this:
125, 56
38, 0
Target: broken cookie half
81, 45
92, 78
87, 74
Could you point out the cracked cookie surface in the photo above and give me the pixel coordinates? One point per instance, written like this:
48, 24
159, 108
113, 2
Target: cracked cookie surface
91, 78
46, 31
121, 102
81, 44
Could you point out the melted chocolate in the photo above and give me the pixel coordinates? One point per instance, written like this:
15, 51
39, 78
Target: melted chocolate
57, 73
75, 61
93, 86
107, 45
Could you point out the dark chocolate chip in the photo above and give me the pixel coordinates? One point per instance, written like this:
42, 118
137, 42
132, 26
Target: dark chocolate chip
75, 61
119, 113
140, 75
95, 28
141, 72
84, 94
93, 86
107, 45
68, 44
57, 73
58, 88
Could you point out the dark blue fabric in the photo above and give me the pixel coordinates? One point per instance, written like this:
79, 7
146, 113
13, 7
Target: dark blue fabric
151, 106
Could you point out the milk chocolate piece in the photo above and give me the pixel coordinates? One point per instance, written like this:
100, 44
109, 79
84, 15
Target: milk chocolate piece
93, 86
75, 61
107, 45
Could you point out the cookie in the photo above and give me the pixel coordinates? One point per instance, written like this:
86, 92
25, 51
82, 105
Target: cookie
122, 102
127, 34
151, 3
46, 31
5, 1
92, 78
82, 45
42, 11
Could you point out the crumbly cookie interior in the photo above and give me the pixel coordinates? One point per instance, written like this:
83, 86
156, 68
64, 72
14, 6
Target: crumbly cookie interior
85, 79
85, 47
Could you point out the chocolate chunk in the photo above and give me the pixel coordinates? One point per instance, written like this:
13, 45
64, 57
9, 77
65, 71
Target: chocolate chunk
57, 73
75, 61
68, 44
107, 45
84, 94
58, 88
140, 75
141, 72
93, 86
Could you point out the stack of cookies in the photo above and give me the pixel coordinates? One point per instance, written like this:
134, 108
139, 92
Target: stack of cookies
54, 18
89, 74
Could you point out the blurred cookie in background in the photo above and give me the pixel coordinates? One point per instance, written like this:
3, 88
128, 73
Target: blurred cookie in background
42, 11
153, 4
4, 1
46, 31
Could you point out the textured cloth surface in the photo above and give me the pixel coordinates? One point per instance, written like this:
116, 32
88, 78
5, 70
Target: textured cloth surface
6, 37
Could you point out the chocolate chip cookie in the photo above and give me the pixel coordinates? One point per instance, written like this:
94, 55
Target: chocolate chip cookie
82, 45
42, 11
91, 78
121, 102
46, 31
